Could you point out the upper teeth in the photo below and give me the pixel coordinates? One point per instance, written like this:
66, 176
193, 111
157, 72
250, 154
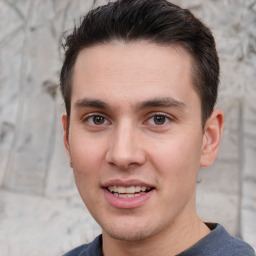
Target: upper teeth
129, 190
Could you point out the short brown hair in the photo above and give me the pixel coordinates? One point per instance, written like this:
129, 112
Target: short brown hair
156, 21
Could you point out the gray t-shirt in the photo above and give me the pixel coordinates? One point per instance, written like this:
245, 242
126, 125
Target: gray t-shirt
217, 243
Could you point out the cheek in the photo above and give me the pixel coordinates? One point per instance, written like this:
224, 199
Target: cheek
177, 167
178, 158
86, 155
87, 160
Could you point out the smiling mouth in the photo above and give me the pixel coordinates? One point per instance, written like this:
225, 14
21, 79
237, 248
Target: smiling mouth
128, 192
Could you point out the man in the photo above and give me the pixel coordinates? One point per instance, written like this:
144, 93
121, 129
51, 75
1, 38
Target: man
139, 81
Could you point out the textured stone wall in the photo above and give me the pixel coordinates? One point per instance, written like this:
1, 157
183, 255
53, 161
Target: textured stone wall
40, 210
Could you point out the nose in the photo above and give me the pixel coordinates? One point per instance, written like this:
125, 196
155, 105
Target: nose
126, 148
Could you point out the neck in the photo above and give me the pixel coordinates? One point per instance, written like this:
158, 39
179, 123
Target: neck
171, 241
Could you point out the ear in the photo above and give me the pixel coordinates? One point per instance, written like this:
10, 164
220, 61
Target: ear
211, 140
65, 134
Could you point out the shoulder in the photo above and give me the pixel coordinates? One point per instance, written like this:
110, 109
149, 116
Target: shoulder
219, 243
76, 251
91, 249
237, 247
224, 244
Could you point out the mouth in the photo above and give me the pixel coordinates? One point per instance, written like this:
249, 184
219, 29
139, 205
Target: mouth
128, 192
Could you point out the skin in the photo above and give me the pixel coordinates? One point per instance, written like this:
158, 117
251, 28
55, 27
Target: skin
126, 85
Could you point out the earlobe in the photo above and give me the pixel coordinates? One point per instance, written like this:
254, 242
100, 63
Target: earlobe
212, 136
65, 134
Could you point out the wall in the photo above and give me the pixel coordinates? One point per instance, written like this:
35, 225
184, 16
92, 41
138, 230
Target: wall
40, 210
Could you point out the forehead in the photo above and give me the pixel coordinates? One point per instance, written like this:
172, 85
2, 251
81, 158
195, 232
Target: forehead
139, 68
140, 55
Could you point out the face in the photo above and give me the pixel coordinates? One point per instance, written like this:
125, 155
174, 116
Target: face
135, 137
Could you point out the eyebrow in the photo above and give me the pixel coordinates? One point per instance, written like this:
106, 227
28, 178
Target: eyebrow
87, 102
155, 102
161, 102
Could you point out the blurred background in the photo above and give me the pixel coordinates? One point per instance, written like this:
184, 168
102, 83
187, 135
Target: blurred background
41, 212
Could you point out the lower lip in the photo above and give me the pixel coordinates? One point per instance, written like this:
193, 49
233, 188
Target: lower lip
127, 203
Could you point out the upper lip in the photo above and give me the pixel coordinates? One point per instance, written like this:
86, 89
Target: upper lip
126, 183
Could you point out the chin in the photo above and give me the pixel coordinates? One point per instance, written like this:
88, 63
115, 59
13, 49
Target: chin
129, 236
131, 233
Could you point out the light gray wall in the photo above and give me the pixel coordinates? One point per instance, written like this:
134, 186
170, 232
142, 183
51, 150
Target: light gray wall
40, 210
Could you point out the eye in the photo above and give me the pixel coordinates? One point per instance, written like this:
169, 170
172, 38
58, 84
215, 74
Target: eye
96, 120
159, 119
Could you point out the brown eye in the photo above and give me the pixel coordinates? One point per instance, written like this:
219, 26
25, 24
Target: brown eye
98, 120
159, 120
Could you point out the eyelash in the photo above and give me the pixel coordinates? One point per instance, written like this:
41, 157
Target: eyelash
94, 115
167, 118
